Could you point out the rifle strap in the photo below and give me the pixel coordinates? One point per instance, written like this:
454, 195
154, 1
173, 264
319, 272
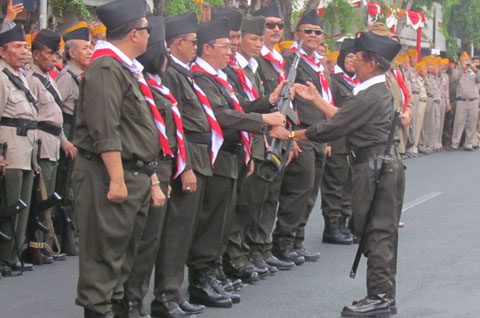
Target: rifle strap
49, 87
75, 77
19, 84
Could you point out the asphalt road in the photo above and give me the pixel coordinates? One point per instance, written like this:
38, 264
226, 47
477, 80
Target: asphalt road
438, 263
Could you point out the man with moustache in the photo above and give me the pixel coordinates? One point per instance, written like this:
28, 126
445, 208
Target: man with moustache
186, 203
271, 69
17, 109
45, 48
77, 55
213, 55
302, 176
119, 136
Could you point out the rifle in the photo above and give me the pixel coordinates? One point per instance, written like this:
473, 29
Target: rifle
8, 212
378, 180
277, 154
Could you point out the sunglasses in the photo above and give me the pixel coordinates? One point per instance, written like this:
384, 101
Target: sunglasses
272, 25
148, 28
194, 42
309, 31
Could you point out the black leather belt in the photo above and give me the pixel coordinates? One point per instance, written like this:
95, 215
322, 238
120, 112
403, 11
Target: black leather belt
415, 92
23, 125
363, 155
147, 168
436, 101
67, 119
49, 128
199, 138
231, 147
466, 99
424, 100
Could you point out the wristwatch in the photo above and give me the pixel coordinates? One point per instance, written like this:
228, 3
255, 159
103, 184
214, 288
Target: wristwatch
291, 134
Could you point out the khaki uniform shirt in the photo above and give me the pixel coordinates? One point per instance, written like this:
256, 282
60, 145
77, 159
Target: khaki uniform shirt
467, 83
112, 114
445, 88
48, 111
422, 89
68, 86
14, 104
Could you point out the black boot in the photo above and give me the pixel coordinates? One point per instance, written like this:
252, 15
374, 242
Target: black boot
376, 306
344, 226
219, 289
281, 265
192, 309
247, 274
226, 283
332, 234
163, 307
202, 292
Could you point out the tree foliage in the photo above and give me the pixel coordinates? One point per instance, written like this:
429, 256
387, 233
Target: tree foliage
461, 19
340, 16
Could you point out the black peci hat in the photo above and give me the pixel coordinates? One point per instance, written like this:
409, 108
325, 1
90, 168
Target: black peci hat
348, 46
12, 35
253, 25
157, 34
234, 17
48, 38
311, 17
181, 24
117, 13
215, 29
271, 11
78, 34
382, 45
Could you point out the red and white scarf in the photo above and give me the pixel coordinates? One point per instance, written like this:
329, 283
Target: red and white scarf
247, 85
403, 86
104, 48
246, 137
317, 66
278, 64
181, 152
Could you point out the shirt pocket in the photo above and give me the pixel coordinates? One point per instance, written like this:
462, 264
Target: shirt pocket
135, 106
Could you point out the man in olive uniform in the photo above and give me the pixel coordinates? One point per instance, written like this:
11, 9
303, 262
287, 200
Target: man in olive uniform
117, 137
365, 120
467, 77
302, 176
17, 108
213, 55
77, 55
251, 190
186, 202
449, 115
45, 48
335, 185
271, 69
140, 268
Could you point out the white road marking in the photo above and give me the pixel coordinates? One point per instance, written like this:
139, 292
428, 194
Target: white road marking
420, 200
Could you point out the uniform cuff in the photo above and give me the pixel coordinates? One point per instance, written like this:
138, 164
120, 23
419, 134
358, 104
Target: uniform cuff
107, 145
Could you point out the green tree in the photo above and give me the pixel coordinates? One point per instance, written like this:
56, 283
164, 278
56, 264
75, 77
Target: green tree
461, 19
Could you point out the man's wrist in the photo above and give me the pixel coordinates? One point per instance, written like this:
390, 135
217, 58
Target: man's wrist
291, 135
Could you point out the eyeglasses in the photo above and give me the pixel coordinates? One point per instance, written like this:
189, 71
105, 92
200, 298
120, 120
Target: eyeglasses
194, 42
309, 31
224, 46
272, 25
148, 28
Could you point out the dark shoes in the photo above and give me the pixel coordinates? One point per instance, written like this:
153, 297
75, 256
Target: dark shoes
310, 256
332, 234
192, 309
92, 314
203, 287
281, 265
377, 306
17, 267
246, 273
163, 307
289, 255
